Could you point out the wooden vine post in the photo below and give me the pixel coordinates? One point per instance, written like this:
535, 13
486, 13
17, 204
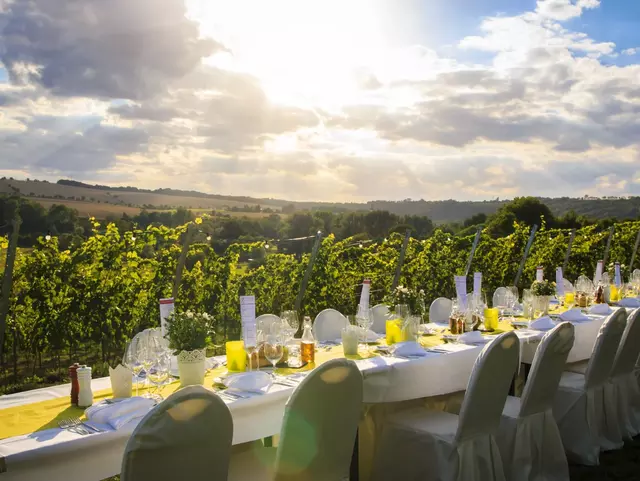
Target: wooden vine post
7, 279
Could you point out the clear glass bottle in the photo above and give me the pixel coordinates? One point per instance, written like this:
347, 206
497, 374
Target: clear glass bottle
308, 342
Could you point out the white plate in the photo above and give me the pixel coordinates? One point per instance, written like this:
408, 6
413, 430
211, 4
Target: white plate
248, 381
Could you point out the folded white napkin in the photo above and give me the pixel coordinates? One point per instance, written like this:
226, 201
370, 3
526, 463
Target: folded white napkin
600, 309
248, 381
542, 324
119, 413
472, 337
629, 302
574, 315
408, 348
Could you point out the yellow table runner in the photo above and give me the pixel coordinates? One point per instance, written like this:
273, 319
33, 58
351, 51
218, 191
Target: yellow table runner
28, 418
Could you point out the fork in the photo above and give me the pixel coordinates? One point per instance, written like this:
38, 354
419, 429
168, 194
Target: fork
75, 424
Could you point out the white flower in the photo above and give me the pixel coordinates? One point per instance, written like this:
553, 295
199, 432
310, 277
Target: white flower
189, 315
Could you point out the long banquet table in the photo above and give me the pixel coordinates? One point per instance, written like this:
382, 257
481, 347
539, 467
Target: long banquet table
53, 454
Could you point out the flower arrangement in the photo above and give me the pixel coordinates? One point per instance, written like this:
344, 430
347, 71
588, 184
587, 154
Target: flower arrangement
544, 288
189, 331
415, 299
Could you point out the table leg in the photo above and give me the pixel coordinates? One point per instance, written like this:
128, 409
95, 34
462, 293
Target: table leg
354, 471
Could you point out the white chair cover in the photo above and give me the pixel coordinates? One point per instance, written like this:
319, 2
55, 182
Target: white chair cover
328, 325
440, 310
266, 321
623, 378
530, 443
380, 315
584, 406
436, 445
500, 297
187, 436
318, 431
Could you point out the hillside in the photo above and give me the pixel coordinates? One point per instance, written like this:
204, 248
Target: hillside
132, 199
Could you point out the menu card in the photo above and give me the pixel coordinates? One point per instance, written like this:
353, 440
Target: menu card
248, 319
167, 306
617, 277
559, 282
598, 276
364, 295
461, 291
540, 274
477, 284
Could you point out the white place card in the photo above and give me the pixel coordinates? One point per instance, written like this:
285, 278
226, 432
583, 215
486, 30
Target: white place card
167, 306
248, 319
540, 274
477, 284
461, 291
559, 282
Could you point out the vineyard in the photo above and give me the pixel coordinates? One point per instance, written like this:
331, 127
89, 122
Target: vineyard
85, 304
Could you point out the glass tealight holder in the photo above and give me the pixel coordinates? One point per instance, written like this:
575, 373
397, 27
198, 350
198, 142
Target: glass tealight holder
236, 356
491, 318
350, 340
394, 332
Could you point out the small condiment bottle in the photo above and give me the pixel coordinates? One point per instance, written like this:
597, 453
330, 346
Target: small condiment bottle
75, 389
453, 324
85, 394
308, 342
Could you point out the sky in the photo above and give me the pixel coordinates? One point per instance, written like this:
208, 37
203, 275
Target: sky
332, 100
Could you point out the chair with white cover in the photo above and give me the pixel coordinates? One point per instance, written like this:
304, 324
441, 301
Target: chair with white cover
265, 321
318, 431
529, 439
584, 406
381, 315
328, 325
624, 380
500, 297
436, 445
187, 436
440, 310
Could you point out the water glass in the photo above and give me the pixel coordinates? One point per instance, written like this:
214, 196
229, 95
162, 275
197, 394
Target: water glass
411, 328
350, 341
131, 361
294, 358
273, 349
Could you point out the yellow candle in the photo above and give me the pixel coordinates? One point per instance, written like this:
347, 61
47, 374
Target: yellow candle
394, 331
236, 356
614, 295
491, 318
569, 298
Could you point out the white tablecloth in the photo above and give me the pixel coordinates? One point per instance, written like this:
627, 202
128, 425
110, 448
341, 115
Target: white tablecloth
56, 455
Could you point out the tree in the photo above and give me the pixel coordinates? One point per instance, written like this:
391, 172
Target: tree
525, 210
379, 222
302, 224
476, 219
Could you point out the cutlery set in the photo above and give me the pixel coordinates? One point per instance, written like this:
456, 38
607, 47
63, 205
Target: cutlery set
77, 426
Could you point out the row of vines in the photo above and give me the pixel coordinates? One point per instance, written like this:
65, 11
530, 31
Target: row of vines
107, 289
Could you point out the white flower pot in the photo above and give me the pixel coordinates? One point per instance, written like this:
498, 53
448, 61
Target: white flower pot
191, 366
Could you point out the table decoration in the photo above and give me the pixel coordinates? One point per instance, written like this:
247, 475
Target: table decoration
542, 292
188, 333
121, 381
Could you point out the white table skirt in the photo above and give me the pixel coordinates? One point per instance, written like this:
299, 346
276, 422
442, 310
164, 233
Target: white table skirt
56, 455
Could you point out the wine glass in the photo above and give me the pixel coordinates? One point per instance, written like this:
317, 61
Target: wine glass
159, 373
273, 349
364, 319
145, 354
131, 361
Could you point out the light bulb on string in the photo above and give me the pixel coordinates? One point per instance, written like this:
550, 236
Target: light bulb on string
208, 238
47, 237
266, 246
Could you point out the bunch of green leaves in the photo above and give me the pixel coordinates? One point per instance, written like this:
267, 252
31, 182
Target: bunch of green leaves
188, 331
543, 288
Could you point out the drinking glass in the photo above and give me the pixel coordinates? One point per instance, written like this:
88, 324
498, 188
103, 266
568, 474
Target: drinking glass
159, 373
501, 301
364, 319
131, 361
273, 349
145, 354
412, 328
289, 327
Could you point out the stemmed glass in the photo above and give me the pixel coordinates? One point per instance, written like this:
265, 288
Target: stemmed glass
131, 361
288, 327
145, 354
159, 373
273, 350
364, 319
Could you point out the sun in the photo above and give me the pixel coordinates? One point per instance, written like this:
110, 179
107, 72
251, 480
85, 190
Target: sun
306, 53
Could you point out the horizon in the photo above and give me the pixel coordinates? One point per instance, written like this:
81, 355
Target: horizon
351, 102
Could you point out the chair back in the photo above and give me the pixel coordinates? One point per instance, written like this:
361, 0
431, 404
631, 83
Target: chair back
266, 321
320, 424
500, 297
488, 387
546, 369
328, 325
605, 348
629, 349
440, 310
187, 436
381, 315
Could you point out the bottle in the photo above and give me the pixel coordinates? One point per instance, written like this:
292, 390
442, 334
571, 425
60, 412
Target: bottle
75, 389
85, 394
599, 294
308, 342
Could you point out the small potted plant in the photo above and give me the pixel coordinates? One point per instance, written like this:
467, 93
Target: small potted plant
542, 292
188, 334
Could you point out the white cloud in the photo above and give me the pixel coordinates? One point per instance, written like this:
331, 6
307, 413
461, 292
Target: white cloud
564, 9
631, 51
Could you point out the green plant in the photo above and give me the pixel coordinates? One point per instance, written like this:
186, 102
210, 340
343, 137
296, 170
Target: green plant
543, 288
188, 331
414, 298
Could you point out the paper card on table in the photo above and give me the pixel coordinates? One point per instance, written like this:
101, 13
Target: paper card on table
461, 291
248, 319
364, 295
559, 282
617, 277
477, 283
167, 306
539, 274
598, 276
